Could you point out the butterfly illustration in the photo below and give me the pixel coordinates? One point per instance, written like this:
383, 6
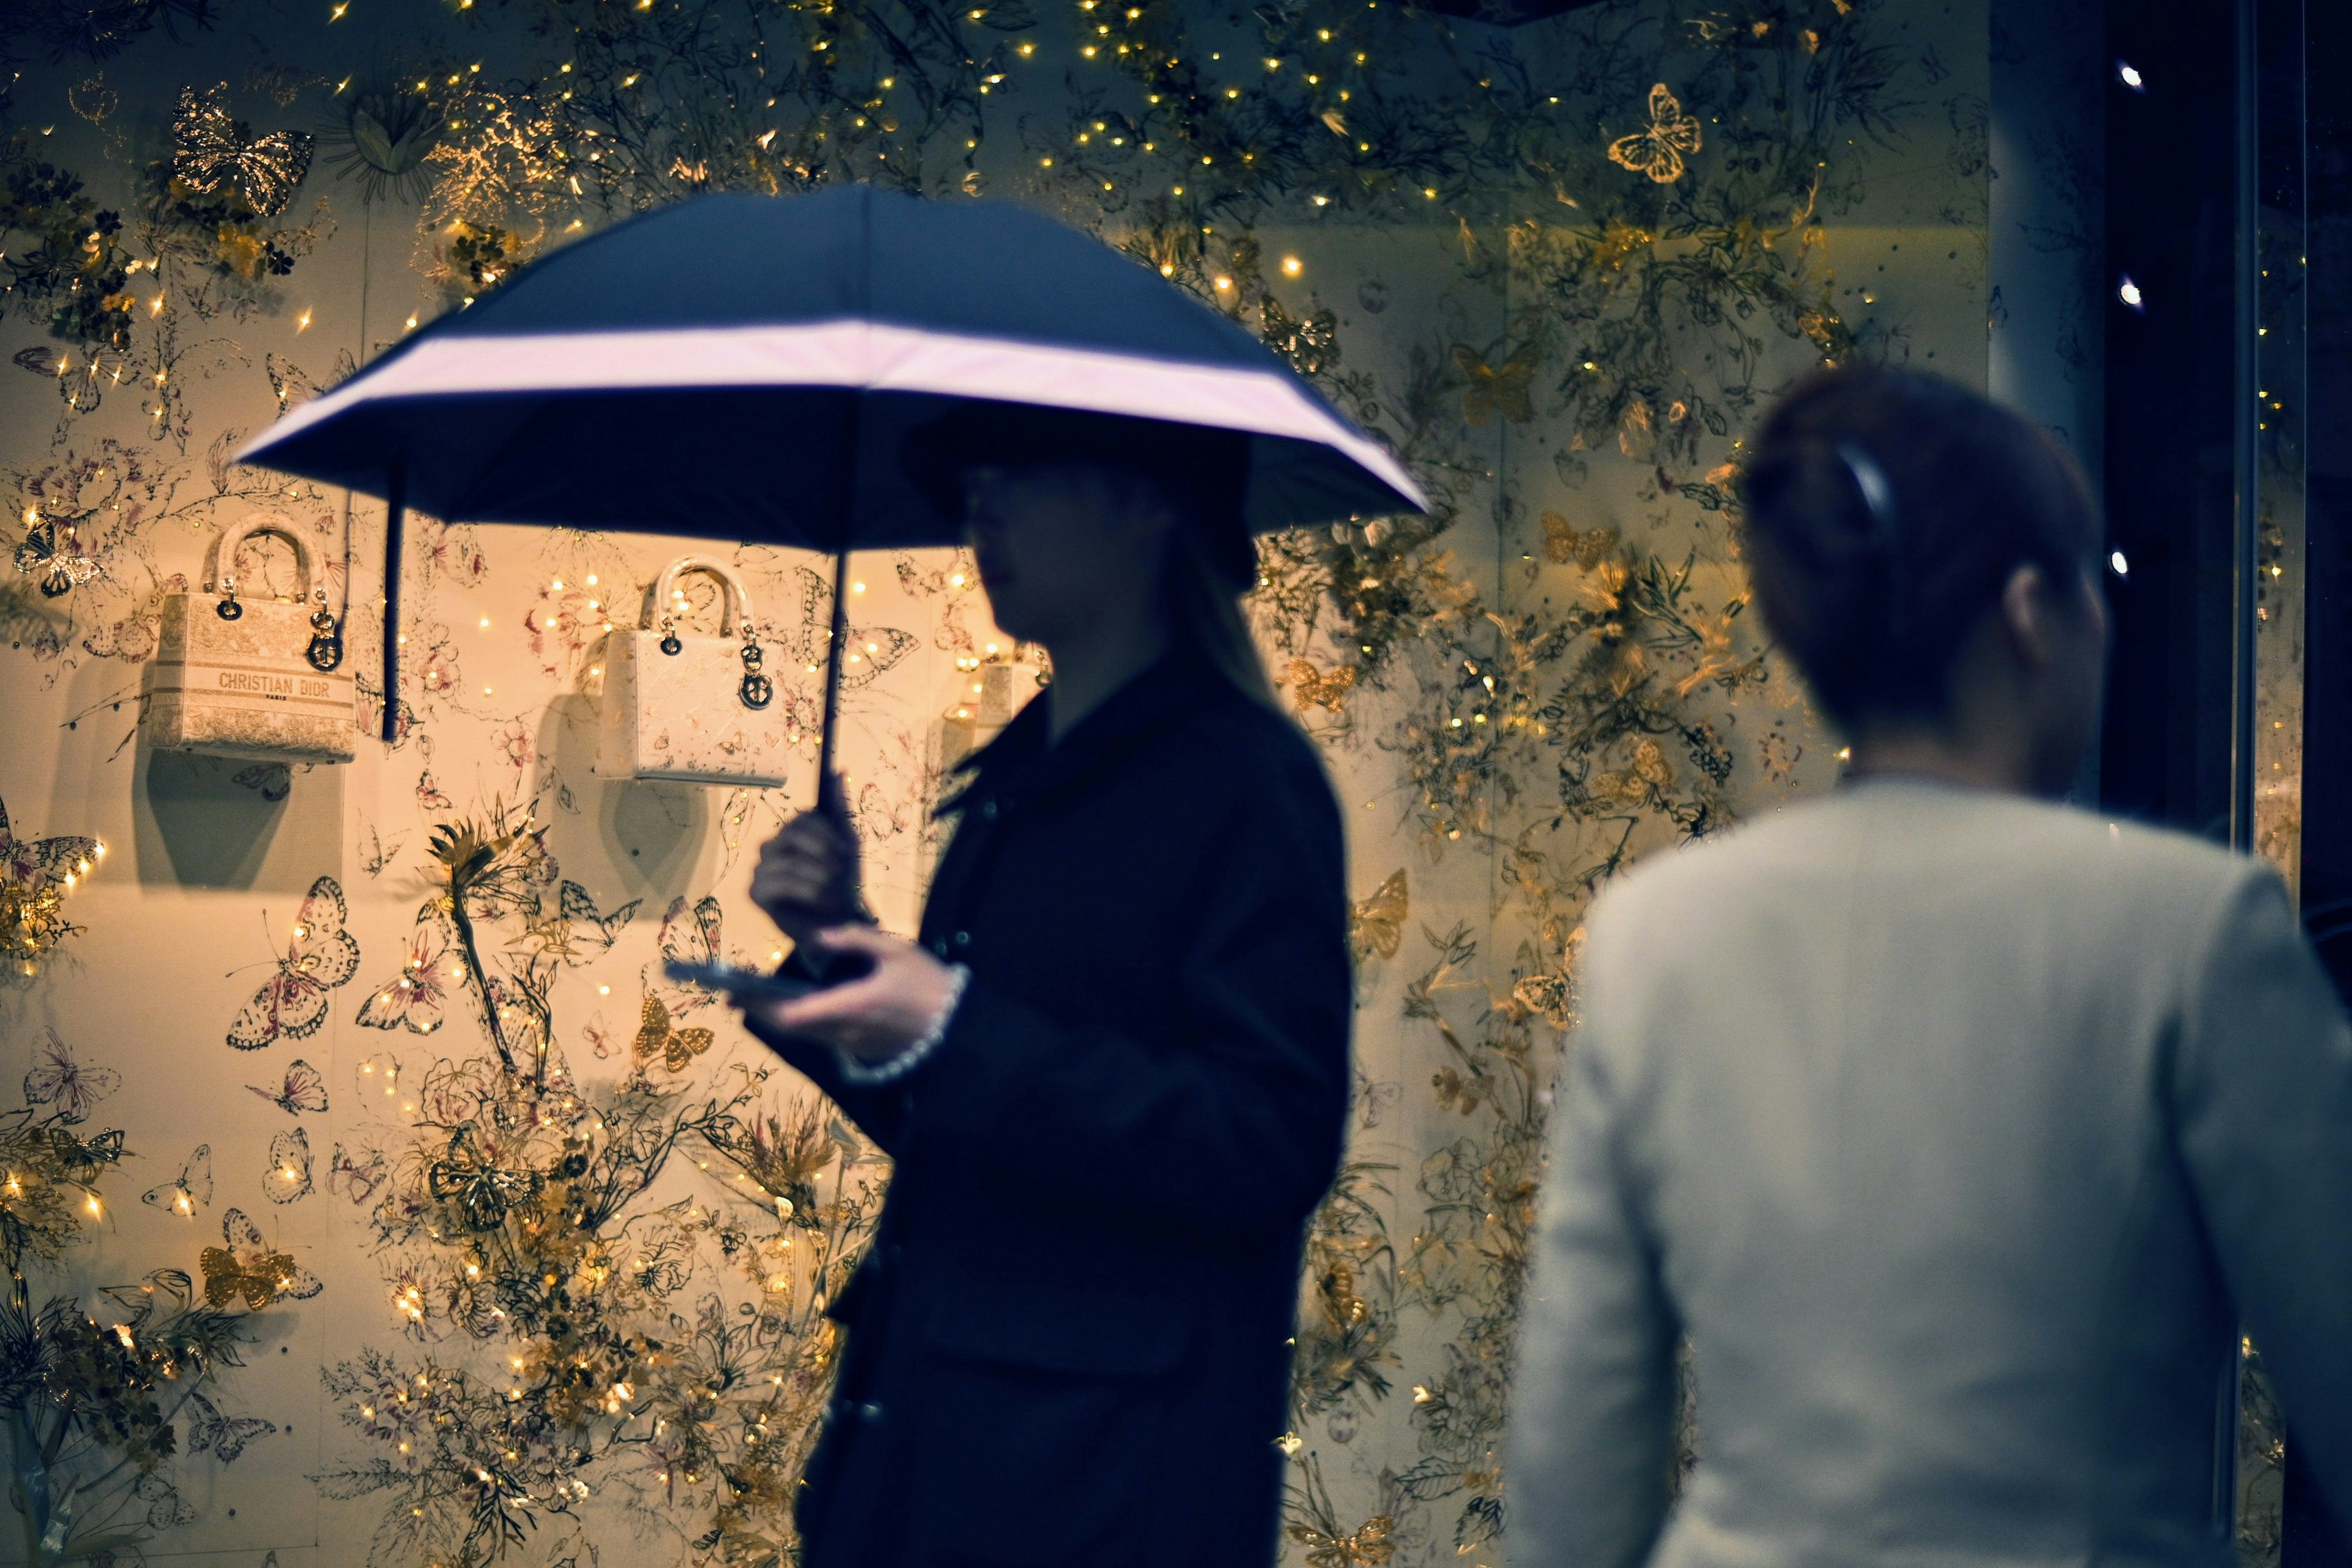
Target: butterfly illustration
1374, 1098
483, 1189
61, 568
1544, 994
599, 1035
1311, 688
192, 1189
320, 957
1563, 544
287, 1174
872, 650
1497, 389
1377, 925
34, 863
211, 150
305, 1090
57, 1078
224, 1435
289, 381
1658, 150
429, 794
165, 1506
695, 939
1368, 1544
413, 999
244, 1265
655, 1037
377, 856
575, 932
356, 1176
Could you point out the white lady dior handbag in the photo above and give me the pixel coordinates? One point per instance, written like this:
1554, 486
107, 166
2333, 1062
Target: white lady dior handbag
259, 678
692, 709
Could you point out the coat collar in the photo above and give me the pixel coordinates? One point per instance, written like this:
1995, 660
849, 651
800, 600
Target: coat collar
1024, 761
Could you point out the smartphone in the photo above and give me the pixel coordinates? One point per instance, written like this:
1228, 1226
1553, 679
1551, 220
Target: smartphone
748, 985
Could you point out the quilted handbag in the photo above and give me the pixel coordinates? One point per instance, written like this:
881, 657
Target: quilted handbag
250, 678
683, 707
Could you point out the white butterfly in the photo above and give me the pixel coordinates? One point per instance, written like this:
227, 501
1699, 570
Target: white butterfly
225, 1436
356, 1176
305, 1090
413, 999
288, 1176
696, 937
57, 1077
576, 932
189, 1190
871, 649
320, 957
165, 1506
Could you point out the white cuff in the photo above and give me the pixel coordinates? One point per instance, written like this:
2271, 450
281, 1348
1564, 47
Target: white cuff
889, 1069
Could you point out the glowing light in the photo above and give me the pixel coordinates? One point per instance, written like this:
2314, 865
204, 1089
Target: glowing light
2128, 292
2117, 564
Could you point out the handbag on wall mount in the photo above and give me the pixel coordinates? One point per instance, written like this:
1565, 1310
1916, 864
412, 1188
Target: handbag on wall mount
253, 678
688, 708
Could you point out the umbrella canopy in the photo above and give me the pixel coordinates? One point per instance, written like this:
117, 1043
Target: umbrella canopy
750, 367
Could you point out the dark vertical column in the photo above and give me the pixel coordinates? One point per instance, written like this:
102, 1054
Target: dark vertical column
2311, 1538
2327, 440
2172, 246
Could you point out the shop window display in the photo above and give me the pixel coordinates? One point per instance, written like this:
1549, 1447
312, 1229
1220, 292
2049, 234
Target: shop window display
517, 1248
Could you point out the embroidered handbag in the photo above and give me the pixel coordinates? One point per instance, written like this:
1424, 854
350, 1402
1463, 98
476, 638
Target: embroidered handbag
250, 678
693, 709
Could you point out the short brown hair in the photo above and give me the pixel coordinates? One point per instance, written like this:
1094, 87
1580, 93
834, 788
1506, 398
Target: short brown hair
1886, 510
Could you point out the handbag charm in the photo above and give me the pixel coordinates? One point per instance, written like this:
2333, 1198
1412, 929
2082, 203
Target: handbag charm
685, 707
250, 676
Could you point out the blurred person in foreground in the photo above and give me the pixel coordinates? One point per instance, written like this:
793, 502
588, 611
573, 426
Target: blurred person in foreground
1113, 1071
1958, 1130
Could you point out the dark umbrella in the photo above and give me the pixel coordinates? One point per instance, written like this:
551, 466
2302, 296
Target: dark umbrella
750, 367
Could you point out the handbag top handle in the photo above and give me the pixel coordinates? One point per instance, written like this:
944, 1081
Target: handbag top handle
220, 566
735, 599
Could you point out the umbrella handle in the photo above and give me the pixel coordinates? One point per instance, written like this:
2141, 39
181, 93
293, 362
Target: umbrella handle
829, 797
395, 514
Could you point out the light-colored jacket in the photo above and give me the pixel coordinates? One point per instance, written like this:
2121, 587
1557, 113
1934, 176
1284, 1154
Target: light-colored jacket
1959, 1133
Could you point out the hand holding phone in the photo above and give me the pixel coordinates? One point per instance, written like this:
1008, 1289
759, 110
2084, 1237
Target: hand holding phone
740, 983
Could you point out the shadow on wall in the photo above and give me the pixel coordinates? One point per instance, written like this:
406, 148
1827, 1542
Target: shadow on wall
221, 822
652, 836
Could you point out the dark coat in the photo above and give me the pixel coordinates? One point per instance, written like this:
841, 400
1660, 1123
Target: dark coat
1070, 1343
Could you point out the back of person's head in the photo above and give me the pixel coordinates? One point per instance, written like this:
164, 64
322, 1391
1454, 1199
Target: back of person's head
1886, 510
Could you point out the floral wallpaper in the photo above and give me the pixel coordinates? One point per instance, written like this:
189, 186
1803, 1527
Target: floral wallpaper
369, 1194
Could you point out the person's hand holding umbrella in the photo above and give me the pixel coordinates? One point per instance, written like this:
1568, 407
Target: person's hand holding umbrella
807, 878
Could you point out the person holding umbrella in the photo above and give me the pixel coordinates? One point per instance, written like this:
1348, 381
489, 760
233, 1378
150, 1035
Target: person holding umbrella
1113, 1072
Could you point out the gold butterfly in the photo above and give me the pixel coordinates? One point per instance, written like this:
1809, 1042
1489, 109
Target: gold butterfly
1658, 152
246, 1266
1562, 542
1378, 923
1369, 1545
676, 1047
210, 151
1499, 389
1311, 688
1649, 771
